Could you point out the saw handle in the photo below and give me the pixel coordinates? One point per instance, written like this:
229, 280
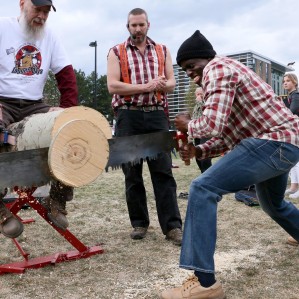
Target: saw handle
182, 139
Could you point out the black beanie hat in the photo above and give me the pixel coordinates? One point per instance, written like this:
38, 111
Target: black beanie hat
196, 46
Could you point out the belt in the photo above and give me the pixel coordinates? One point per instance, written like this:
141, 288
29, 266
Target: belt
141, 108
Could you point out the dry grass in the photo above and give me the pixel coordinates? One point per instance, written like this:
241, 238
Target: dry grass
252, 258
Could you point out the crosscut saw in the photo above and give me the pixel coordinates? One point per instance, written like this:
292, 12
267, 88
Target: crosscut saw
30, 167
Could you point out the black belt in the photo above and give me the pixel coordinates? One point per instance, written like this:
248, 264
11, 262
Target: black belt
141, 108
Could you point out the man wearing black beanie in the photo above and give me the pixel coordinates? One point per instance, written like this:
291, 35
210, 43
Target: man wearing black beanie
194, 47
243, 117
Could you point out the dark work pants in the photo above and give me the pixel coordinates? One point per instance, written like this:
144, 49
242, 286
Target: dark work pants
15, 110
138, 122
205, 163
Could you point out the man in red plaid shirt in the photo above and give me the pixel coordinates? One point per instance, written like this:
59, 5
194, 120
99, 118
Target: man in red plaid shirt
139, 75
243, 117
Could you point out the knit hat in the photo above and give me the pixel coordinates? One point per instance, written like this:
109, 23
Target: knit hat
196, 46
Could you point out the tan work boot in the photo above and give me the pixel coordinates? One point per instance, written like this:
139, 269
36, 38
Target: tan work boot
56, 212
175, 236
191, 289
292, 241
10, 226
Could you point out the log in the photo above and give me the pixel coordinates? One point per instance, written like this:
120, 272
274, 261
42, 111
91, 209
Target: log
77, 141
78, 153
83, 113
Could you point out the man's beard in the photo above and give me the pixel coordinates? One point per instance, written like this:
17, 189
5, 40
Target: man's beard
138, 39
32, 33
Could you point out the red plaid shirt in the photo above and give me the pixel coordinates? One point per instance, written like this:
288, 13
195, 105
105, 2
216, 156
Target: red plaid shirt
142, 69
238, 105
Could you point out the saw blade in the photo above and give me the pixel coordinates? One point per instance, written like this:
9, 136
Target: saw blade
136, 148
29, 168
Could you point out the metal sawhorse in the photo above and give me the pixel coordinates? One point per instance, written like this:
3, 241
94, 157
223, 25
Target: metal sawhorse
25, 196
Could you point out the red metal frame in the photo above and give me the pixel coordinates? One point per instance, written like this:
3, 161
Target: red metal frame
82, 251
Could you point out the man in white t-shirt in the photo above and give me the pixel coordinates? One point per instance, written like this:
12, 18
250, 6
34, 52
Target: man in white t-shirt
28, 51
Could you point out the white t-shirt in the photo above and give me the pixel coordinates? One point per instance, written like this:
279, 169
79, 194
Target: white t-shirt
24, 66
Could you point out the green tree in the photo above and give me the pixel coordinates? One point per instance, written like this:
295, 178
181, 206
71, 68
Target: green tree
104, 98
190, 97
84, 89
85, 93
51, 92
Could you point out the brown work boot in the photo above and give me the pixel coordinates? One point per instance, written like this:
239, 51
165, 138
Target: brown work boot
10, 226
61, 191
138, 233
292, 241
55, 203
175, 236
191, 289
56, 211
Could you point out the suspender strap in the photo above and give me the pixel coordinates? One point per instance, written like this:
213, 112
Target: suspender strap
161, 59
124, 68
1, 114
123, 57
161, 62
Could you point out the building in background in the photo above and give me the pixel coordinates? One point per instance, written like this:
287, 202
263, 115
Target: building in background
176, 99
268, 69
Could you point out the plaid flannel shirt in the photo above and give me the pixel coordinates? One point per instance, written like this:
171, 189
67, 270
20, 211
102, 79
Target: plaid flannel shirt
239, 105
142, 69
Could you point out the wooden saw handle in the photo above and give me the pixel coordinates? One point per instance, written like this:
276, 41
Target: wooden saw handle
183, 140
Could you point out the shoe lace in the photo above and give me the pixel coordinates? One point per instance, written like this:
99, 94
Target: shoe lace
61, 207
57, 205
191, 280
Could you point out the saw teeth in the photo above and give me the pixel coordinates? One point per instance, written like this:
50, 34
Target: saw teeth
132, 163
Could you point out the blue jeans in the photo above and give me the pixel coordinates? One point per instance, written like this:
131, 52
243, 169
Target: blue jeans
254, 161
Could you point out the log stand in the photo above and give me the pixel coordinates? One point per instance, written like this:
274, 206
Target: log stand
82, 251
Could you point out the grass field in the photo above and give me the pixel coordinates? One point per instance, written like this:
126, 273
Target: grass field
252, 259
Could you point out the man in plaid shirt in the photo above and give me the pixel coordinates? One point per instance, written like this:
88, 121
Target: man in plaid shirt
139, 75
241, 114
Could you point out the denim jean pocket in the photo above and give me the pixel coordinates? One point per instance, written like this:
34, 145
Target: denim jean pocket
284, 158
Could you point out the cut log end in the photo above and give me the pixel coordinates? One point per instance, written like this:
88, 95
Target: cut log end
82, 113
78, 161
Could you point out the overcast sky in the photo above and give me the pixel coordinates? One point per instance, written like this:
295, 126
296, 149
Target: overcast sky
268, 27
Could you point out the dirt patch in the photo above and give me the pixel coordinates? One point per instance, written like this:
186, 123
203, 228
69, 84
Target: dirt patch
252, 259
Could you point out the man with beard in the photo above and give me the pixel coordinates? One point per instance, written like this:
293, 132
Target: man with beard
28, 51
242, 115
139, 75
